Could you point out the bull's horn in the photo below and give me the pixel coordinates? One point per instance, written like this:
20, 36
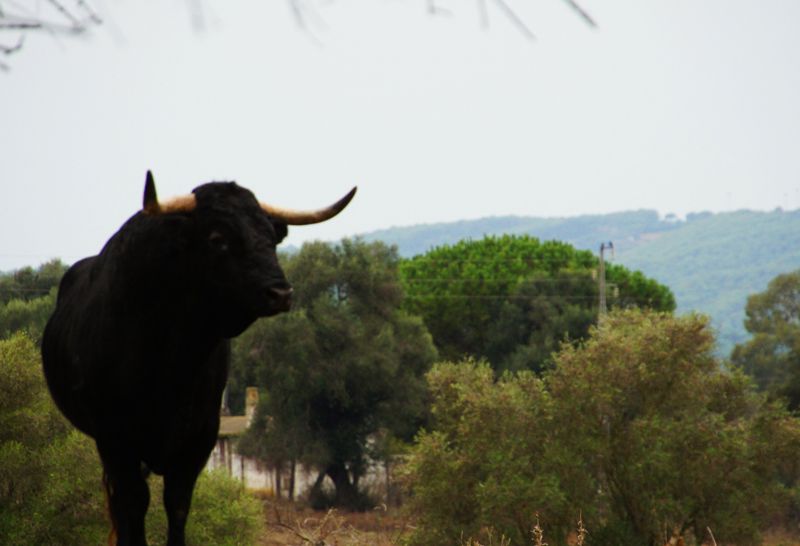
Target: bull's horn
302, 218
150, 202
150, 205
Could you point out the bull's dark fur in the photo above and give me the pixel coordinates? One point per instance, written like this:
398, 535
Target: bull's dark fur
136, 352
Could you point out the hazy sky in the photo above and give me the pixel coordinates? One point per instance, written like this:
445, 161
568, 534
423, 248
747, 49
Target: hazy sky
676, 105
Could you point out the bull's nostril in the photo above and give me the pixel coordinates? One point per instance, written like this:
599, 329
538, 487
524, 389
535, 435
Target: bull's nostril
282, 297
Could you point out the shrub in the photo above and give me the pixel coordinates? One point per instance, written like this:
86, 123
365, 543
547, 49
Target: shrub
50, 475
50, 490
223, 512
487, 464
639, 429
669, 440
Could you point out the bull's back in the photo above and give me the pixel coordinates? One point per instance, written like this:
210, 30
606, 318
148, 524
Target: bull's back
63, 360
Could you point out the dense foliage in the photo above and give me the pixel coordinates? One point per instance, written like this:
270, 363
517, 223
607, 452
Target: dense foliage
514, 299
772, 355
715, 262
711, 262
50, 490
343, 366
637, 429
223, 512
30, 283
27, 298
50, 475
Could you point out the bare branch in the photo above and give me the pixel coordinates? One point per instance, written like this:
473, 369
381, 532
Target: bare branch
302, 12
580, 11
65, 12
433, 9
512, 15
56, 17
93, 16
10, 23
73, 17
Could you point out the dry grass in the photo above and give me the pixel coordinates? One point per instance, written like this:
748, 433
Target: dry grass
781, 538
290, 524
294, 525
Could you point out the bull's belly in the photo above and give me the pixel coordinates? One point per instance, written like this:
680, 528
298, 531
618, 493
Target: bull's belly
178, 443
159, 435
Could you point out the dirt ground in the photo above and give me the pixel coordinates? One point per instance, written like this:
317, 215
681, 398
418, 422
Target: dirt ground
781, 538
289, 524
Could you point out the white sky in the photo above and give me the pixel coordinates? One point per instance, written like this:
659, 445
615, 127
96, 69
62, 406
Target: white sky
676, 105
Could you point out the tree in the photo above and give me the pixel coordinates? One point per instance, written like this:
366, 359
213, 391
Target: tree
638, 429
28, 297
28, 283
666, 437
487, 462
56, 17
772, 356
78, 17
344, 365
514, 299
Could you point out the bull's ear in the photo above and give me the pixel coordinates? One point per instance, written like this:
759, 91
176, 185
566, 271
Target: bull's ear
150, 202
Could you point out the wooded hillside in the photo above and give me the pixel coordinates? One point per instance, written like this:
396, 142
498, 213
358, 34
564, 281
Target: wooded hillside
712, 262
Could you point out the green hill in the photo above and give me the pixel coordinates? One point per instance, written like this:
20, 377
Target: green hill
712, 262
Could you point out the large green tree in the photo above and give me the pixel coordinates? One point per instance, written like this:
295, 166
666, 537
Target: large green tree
514, 299
342, 369
772, 355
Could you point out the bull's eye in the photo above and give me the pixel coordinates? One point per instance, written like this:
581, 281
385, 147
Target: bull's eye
217, 241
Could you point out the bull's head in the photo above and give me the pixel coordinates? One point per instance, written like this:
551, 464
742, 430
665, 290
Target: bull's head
234, 239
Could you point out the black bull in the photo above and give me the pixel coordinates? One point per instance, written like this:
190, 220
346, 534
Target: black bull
136, 353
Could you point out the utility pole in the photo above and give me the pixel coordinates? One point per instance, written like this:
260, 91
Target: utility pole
601, 281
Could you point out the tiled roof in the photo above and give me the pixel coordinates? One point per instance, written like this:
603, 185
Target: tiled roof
234, 425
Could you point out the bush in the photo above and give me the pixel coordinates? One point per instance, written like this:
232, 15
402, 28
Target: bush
50, 475
487, 464
669, 440
639, 429
223, 512
50, 489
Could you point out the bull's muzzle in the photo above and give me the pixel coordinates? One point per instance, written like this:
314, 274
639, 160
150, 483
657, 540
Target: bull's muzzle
280, 298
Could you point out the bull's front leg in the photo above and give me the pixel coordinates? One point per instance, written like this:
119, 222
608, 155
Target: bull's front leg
179, 485
128, 494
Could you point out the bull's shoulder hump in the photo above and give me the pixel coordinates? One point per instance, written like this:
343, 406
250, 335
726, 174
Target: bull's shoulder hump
75, 276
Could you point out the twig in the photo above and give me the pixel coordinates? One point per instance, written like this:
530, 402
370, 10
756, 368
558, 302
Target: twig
298, 534
582, 532
580, 11
93, 16
713, 542
512, 15
299, 10
538, 534
433, 9
65, 12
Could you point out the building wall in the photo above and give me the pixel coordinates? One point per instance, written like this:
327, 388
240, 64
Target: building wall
253, 474
256, 476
